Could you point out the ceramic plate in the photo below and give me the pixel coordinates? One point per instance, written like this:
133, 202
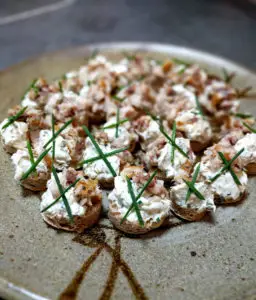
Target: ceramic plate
211, 259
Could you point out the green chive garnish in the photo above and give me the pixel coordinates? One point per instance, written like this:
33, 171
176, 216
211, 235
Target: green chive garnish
117, 121
193, 181
227, 77
92, 159
31, 86
53, 141
136, 207
98, 149
129, 56
92, 55
249, 127
223, 169
171, 141
113, 125
180, 62
173, 138
61, 190
243, 116
12, 119
243, 92
118, 98
60, 86
194, 190
233, 174
30, 152
33, 167
139, 195
61, 196
198, 106
58, 132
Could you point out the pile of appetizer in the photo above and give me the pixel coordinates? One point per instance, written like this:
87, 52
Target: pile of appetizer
162, 137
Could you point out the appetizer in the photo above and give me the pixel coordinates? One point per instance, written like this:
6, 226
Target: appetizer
138, 199
81, 205
136, 128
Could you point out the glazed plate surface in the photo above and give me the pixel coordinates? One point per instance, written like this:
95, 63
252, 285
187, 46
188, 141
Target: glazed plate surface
211, 259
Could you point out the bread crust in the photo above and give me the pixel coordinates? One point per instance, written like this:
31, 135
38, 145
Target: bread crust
36, 183
131, 227
197, 146
251, 169
80, 222
188, 214
220, 201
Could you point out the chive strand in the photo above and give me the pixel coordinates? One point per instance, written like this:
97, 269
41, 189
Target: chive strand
33, 167
58, 132
139, 195
64, 192
136, 207
65, 200
98, 149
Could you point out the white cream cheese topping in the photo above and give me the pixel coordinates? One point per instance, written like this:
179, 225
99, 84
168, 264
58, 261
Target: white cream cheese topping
29, 103
62, 156
248, 142
194, 126
21, 162
224, 186
15, 135
175, 169
59, 208
124, 138
180, 89
152, 207
179, 192
98, 169
53, 100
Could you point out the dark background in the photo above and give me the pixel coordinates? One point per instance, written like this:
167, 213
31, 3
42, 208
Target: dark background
222, 27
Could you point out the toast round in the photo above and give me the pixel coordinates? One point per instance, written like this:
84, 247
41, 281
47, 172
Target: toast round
188, 214
251, 169
131, 227
80, 222
36, 183
221, 201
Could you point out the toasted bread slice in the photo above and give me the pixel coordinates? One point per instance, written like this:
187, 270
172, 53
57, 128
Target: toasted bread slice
36, 183
80, 222
192, 209
132, 227
85, 201
251, 169
154, 204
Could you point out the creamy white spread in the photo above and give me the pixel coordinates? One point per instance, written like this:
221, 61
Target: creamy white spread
153, 208
195, 127
175, 169
124, 138
179, 192
15, 135
22, 163
31, 104
190, 96
151, 133
248, 142
205, 97
53, 100
98, 169
59, 208
224, 186
62, 156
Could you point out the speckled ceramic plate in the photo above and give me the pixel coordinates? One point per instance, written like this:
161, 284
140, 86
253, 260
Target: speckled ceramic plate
211, 259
